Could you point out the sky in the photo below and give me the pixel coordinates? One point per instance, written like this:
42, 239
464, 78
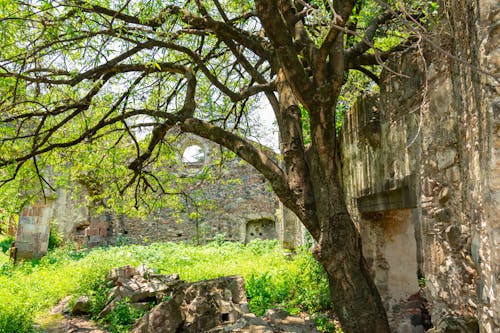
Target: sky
268, 131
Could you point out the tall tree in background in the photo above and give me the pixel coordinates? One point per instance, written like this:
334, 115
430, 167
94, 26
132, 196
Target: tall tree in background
74, 73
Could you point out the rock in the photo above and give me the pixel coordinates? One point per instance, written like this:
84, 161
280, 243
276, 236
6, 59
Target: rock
164, 318
218, 305
446, 158
211, 303
81, 306
248, 323
144, 271
125, 272
443, 214
444, 195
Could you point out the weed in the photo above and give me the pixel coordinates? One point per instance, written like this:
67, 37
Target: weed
55, 236
5, 243
122, 241
324, 323
122, 317
272, 278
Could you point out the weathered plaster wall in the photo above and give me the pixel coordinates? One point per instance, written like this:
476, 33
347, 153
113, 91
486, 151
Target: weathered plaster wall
69, 212
32, 238
424, 156
380, 147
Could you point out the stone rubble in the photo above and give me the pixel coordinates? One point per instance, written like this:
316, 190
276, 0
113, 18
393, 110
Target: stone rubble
214, 306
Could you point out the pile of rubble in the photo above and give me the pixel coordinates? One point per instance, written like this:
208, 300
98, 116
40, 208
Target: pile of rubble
172, 305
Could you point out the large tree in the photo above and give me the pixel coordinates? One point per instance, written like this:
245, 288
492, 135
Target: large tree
74, 71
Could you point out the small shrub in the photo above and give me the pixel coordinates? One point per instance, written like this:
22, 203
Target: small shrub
98, 293
55, 237
219, 240
5, 243
122, 241
260, 293
122, 317
324, 323
259, 247
16, 319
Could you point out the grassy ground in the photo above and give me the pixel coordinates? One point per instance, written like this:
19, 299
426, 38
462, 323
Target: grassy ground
273, 278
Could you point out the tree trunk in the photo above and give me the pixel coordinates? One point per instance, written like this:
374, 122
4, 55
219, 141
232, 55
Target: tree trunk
355, 298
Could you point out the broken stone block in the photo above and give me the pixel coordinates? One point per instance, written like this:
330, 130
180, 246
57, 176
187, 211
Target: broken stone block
164, 318
81, 306
145, 271
208, 304
125, 272
218, 305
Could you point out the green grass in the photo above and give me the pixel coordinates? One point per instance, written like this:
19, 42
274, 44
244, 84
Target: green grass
31, 289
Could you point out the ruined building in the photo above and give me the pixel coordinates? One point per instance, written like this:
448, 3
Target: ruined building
421, 174
238, 204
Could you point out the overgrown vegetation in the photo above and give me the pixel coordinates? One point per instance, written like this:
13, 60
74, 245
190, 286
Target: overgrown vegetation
273, 278
122, 317
5, 243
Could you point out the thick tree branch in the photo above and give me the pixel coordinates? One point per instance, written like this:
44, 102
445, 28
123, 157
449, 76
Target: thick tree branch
255, 157
330, 62
293, 150
377, 57
368, 73
367, 42
277, 30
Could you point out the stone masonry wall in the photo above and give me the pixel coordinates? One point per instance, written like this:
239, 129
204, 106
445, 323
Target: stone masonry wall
380, 147
475, 37
32, 238
239, 204
421, 173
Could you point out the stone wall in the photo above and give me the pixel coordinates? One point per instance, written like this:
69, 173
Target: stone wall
238, 204
421, 173
32, 237
475, 30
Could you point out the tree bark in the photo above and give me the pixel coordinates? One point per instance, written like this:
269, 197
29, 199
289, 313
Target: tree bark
355, 298
311, 172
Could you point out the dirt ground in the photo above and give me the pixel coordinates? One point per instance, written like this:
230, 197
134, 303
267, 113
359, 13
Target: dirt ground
59, 321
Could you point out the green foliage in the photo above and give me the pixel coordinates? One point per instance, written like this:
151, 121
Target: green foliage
122, 240
272, 278
301, 287
98, 293
15, 320
122, 317
55, 237
5, 243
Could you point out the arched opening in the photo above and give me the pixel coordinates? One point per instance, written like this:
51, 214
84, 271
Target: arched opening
193, 154
260, 229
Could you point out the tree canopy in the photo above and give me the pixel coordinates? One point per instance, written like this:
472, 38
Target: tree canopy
89, 76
